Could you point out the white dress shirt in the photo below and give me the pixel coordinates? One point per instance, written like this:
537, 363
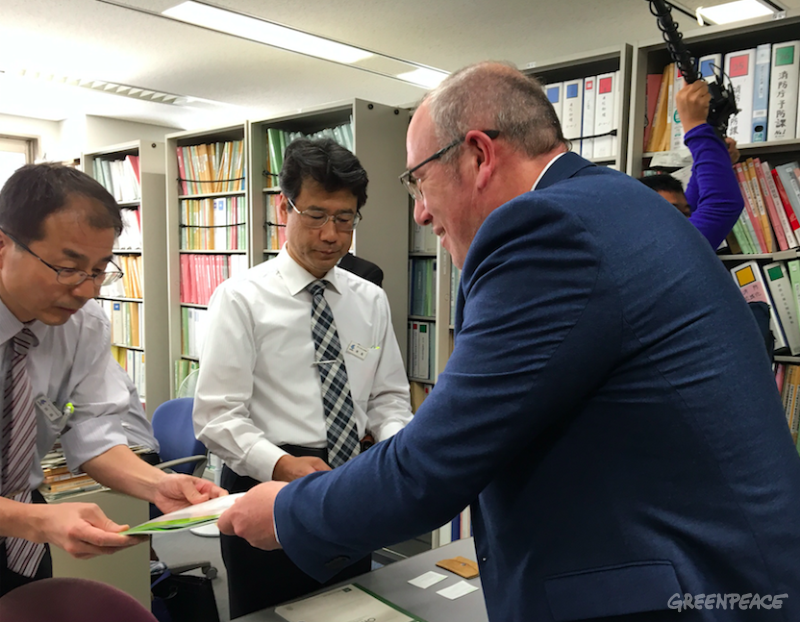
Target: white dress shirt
70, 364
258, 387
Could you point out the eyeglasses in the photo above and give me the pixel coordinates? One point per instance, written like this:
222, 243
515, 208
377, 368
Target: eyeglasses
412, 184
315, 218
72, 276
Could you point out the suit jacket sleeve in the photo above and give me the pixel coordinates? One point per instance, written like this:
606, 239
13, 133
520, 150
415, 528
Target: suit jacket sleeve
537, 335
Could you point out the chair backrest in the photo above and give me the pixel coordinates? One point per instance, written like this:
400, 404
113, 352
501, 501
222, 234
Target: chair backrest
189, 385
172, 426
71, 600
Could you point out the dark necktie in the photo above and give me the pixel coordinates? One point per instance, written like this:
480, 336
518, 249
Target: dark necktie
336, 399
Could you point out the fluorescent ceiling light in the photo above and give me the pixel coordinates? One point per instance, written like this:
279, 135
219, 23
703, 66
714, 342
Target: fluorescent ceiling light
733, 11
429, 78
265, 32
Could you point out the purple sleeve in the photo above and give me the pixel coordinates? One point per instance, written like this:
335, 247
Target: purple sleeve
713, 191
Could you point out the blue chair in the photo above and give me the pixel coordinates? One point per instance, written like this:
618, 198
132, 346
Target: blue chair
180, 452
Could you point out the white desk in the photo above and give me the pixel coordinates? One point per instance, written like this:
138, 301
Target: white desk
391, 583
128, 570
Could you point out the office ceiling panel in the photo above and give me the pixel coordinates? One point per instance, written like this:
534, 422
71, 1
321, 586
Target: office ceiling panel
90, 39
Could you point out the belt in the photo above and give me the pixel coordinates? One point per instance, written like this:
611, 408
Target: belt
313, 452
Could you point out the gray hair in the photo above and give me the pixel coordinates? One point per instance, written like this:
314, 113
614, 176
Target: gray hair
495, 96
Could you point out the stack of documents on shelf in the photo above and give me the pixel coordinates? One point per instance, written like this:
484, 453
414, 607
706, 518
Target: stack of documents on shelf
60, 482
350, 603
193, 516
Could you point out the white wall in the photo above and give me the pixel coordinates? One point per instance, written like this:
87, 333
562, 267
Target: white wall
68, 139
47, 134
104, 132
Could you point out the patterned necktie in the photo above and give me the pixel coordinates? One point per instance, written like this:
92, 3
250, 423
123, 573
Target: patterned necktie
336, 399
19, 442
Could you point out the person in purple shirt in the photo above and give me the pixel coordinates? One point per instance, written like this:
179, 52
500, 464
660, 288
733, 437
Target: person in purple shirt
713, 200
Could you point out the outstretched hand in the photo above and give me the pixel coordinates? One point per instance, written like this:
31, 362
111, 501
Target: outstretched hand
81, 529
252, 518
176, 491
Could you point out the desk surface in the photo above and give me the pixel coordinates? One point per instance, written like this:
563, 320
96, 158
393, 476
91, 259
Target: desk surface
391, 583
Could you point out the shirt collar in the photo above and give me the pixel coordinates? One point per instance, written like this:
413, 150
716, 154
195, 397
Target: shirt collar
545, 169
298, 278
10, 325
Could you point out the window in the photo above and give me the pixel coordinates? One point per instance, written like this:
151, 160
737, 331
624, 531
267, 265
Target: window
14, 153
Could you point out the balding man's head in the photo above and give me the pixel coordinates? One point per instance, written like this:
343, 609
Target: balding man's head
497, 96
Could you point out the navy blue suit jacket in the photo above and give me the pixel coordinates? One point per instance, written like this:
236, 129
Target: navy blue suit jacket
609, 412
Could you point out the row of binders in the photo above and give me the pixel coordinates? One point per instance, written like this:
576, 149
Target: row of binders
765, 81
788, 380
131, 236
422, 286
588, 107
120, 177
194, 323
202, 274
421, 350
127, 322
130, 285
132, 361
770, 220
276, 233
212, 167
213, 224
278, 140
778, 285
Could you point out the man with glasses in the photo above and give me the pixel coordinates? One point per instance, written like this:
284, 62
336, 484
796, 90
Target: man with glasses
300, 362
57, 230
608, 410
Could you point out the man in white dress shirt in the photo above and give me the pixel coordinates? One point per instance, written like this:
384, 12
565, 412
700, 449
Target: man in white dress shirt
259, 401
57, 230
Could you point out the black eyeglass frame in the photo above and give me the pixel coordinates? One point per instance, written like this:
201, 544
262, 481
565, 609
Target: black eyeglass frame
108, 276
406, 177
336, 218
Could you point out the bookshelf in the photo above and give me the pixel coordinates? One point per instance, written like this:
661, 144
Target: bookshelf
378, 134
651, 56
208, 231
149, 210
586, 65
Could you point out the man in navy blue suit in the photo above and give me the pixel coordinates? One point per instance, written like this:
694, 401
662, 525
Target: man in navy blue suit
608, 410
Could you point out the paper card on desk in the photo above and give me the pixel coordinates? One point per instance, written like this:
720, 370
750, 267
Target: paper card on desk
193, 516
350, 603
462, 588
426, 580
462, 566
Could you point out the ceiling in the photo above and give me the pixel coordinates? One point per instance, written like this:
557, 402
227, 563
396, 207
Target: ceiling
236, 79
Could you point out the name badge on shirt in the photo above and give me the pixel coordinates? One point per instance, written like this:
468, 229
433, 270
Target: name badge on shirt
48, 409
357, 350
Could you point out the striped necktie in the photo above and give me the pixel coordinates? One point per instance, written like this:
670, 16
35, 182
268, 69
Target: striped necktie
336, 399
19, 443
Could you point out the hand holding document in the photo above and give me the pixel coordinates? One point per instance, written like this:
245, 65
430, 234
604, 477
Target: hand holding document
193, 516
252, 518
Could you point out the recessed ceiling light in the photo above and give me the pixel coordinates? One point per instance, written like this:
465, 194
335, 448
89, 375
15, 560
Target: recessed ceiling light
266, 32
429, 78
733, 11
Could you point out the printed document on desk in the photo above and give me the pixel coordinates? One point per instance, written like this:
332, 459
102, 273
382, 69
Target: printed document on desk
350, 603
193, 516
